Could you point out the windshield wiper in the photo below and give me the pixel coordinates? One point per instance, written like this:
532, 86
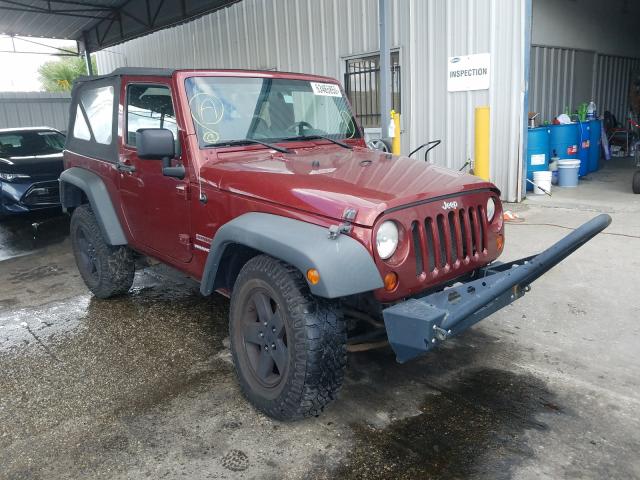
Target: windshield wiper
248, 141
314, 137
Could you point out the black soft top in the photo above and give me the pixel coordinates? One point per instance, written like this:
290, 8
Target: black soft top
119, 72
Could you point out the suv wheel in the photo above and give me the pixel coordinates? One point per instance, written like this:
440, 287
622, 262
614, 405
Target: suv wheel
106, 270
289, 347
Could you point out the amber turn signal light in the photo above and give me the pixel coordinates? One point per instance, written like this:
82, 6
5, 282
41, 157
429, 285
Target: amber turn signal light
499, 242
390, 281
313, 276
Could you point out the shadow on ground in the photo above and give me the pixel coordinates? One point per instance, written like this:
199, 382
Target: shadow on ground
472, 427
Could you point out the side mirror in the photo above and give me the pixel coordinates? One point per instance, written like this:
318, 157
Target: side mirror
155, 143
158, 144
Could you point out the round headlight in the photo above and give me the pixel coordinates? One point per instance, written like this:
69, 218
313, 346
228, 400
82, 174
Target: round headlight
491, 209
387, 239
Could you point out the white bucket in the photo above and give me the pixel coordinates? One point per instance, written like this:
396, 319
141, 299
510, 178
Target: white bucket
543, 180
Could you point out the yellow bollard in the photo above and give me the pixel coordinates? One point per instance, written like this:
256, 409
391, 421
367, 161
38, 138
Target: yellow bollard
395, 138
481, 162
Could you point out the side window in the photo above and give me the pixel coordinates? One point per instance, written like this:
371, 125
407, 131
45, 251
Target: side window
97, 105
80, 128
149, 106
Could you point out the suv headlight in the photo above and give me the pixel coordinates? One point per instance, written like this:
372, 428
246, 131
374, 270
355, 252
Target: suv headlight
491, 209
10, 177
387, 239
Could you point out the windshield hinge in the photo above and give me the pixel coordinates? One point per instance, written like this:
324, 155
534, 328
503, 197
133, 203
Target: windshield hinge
348, 216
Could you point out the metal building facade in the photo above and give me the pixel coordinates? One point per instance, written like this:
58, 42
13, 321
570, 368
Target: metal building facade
317, 36
34, 109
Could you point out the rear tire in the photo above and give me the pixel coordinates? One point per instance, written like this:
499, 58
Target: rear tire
288, 346
107, 270
636, 182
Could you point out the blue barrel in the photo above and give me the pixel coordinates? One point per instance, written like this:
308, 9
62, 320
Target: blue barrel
564, 140
584, 130
596, 144
537, 151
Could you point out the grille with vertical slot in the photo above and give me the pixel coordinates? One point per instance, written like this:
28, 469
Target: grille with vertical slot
450, 240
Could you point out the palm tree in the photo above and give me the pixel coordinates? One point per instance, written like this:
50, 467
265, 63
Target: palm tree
58, 75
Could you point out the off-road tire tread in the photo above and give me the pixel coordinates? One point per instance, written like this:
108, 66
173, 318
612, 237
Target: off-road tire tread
117, 265
636, 182
320, 335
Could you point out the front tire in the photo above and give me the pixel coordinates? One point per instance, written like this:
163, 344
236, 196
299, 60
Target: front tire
288, 346
107, 270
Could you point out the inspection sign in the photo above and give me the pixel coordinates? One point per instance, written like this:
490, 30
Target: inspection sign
469, 72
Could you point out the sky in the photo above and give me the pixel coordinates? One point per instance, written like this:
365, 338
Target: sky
20, 70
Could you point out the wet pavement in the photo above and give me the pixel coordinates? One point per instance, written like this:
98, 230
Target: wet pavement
142, 386
20, 235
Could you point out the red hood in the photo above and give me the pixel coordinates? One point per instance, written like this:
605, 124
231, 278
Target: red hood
326, 179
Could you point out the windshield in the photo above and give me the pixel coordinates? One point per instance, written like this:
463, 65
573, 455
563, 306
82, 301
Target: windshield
225, 109
30, 143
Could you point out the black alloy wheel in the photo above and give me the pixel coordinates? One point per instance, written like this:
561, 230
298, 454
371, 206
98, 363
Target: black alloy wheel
265, 338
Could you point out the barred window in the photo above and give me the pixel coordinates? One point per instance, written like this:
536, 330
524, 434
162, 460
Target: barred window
362, 84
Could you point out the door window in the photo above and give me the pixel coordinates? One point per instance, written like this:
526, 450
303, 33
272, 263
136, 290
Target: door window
98, 107
149, 106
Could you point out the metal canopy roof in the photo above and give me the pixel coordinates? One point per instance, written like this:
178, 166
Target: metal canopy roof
98, 23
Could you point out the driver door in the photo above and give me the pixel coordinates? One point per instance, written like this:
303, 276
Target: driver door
155, 206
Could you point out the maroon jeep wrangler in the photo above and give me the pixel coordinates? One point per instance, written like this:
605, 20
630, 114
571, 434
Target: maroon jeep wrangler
260, 186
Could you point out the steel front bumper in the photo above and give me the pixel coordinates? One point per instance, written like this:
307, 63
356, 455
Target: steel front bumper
417, 325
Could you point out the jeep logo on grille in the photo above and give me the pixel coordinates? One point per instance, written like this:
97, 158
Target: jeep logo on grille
449, 205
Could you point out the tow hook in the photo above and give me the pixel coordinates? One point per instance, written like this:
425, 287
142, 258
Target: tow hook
440, 333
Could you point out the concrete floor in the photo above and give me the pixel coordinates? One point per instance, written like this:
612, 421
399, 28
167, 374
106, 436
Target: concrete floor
142, 386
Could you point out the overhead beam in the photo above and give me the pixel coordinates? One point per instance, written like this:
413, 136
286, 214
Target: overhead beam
34, 42
51, 54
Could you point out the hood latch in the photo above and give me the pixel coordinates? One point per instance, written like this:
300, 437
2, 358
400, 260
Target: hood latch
349, 215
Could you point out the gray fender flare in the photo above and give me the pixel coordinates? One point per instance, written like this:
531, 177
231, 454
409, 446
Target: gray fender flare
345, 265
98, 196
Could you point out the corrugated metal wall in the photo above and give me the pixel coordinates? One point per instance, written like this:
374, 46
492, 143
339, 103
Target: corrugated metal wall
34, 109
291, 35
613, 78
551, 81
315, 36
563, 77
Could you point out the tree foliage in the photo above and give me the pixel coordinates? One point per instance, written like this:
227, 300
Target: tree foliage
58, 75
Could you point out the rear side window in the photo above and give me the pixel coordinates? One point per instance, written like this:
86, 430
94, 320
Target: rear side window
94, 115
81, 129
93, 124
149, 106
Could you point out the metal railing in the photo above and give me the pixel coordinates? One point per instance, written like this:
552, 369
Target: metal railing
362, 84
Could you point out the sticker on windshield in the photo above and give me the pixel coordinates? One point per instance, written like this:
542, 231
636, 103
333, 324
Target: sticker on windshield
326, 89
